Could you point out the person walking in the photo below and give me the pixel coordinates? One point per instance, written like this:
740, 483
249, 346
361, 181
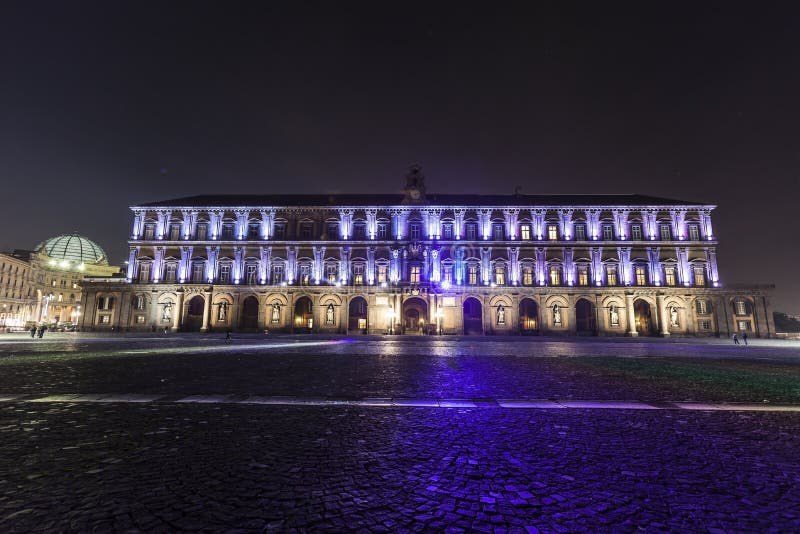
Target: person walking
33, 331
744, 338
735, 339
228, 337
40, 331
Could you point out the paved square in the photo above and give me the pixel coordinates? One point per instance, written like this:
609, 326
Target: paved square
170, 433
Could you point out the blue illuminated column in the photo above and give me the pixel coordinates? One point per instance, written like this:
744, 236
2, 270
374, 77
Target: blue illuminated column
569, 266
677, 221
188, 223
212, 254
158, 264
513, 258
537, 218
705, 220
621, 223
185, 265
344, 264
565, 223
138, 224
436, 266
242, 216
291, 264
434, 224
459, 266
162, 228
215, 224
370, 265
345, 223
132, 260
264, 270
394, 266
319, 257
511, 217
711, 259
372, 222
540, 265
597, 265
267, 223
485, 223
650, 220
486, 265
624, 254
458, 215
654, 260
593, 221
683, 262
238, 264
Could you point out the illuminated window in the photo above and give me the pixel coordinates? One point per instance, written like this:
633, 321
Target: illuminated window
149, 230
198, 269
277, 274
500, 275
447, 231
636, 232
669, 276
60, 297
414, 274
382, 230
144, 273
447, 276
703, 307
694, 232
382, 277
744, 326
331, 272
699, 276
583, 276
358, 275
641, 276
138, 302
608, 232
580, 232
251, 273
527, 276
224, 273
415, 231
552, 232
525, 231
170, 272
472, 275
740, 306
555, 276
666, 232
611, 275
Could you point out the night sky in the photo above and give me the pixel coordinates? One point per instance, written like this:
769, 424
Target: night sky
106, 105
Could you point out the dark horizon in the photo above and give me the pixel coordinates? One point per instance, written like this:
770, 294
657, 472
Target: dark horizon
109, 106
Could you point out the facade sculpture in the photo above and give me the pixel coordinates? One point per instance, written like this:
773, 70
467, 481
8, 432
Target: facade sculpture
423, 263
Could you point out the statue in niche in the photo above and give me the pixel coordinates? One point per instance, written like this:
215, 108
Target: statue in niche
673, 316
329, 314
222, 315
501, 315
556, 314
276, 313
166, 315
614, 316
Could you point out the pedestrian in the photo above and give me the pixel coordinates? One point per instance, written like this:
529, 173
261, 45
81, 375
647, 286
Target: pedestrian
33, 331
744, 338
735, 339
40, 331
228, 337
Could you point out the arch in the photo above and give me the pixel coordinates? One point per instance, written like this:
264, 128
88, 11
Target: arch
249, 316
585, 317
415, 313
646, 324
303, 315
357, 313
194, 314
528, 316
473, 316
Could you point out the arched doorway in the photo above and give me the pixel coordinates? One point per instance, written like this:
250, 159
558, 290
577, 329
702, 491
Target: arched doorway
415, 313
473, 316
643, 318
303, 316
249, 320
528, 317
585, 321
194, 314
357, 312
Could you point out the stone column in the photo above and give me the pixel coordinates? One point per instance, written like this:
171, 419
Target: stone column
663, 322
206, 310
178, 313
630, 316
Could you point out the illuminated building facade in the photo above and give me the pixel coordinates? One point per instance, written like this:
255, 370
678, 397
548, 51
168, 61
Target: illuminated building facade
420, 263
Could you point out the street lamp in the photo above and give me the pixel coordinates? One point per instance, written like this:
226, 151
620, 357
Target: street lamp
439, 314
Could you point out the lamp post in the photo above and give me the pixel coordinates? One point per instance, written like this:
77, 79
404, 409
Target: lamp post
439, 314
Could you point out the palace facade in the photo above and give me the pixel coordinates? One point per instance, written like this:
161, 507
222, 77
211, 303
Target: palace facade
416, 263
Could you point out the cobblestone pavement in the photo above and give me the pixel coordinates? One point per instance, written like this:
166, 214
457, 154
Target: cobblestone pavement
168, 466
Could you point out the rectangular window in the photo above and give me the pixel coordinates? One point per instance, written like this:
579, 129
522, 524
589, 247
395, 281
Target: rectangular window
202, 232
277, 274
472, 275
552, 232
608, 232
331, 272
138, 302
669, 276
170, 272
694, 232
140, 319
224, 273
306, 231
105, 319
500, 276
358, 275
149, 230
555, 276
498, 232
413, 276
144, 273
280, 231
704, 324
641, 276
744, 326
332, 230
198, 269
227, 231
175, 232
583, 276
447, 231
251, 273
527, 276
253, 231
359, 232
448, 274
382, 276
305, 274
666, 233
636, 232
472, 231
415, 230
702, 307
580, 232
611, 276
741, 307
699, 276
382, 230
525, 232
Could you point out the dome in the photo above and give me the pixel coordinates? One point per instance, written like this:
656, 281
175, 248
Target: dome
74, 249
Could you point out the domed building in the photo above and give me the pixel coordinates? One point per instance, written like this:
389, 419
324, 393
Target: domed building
44, 285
